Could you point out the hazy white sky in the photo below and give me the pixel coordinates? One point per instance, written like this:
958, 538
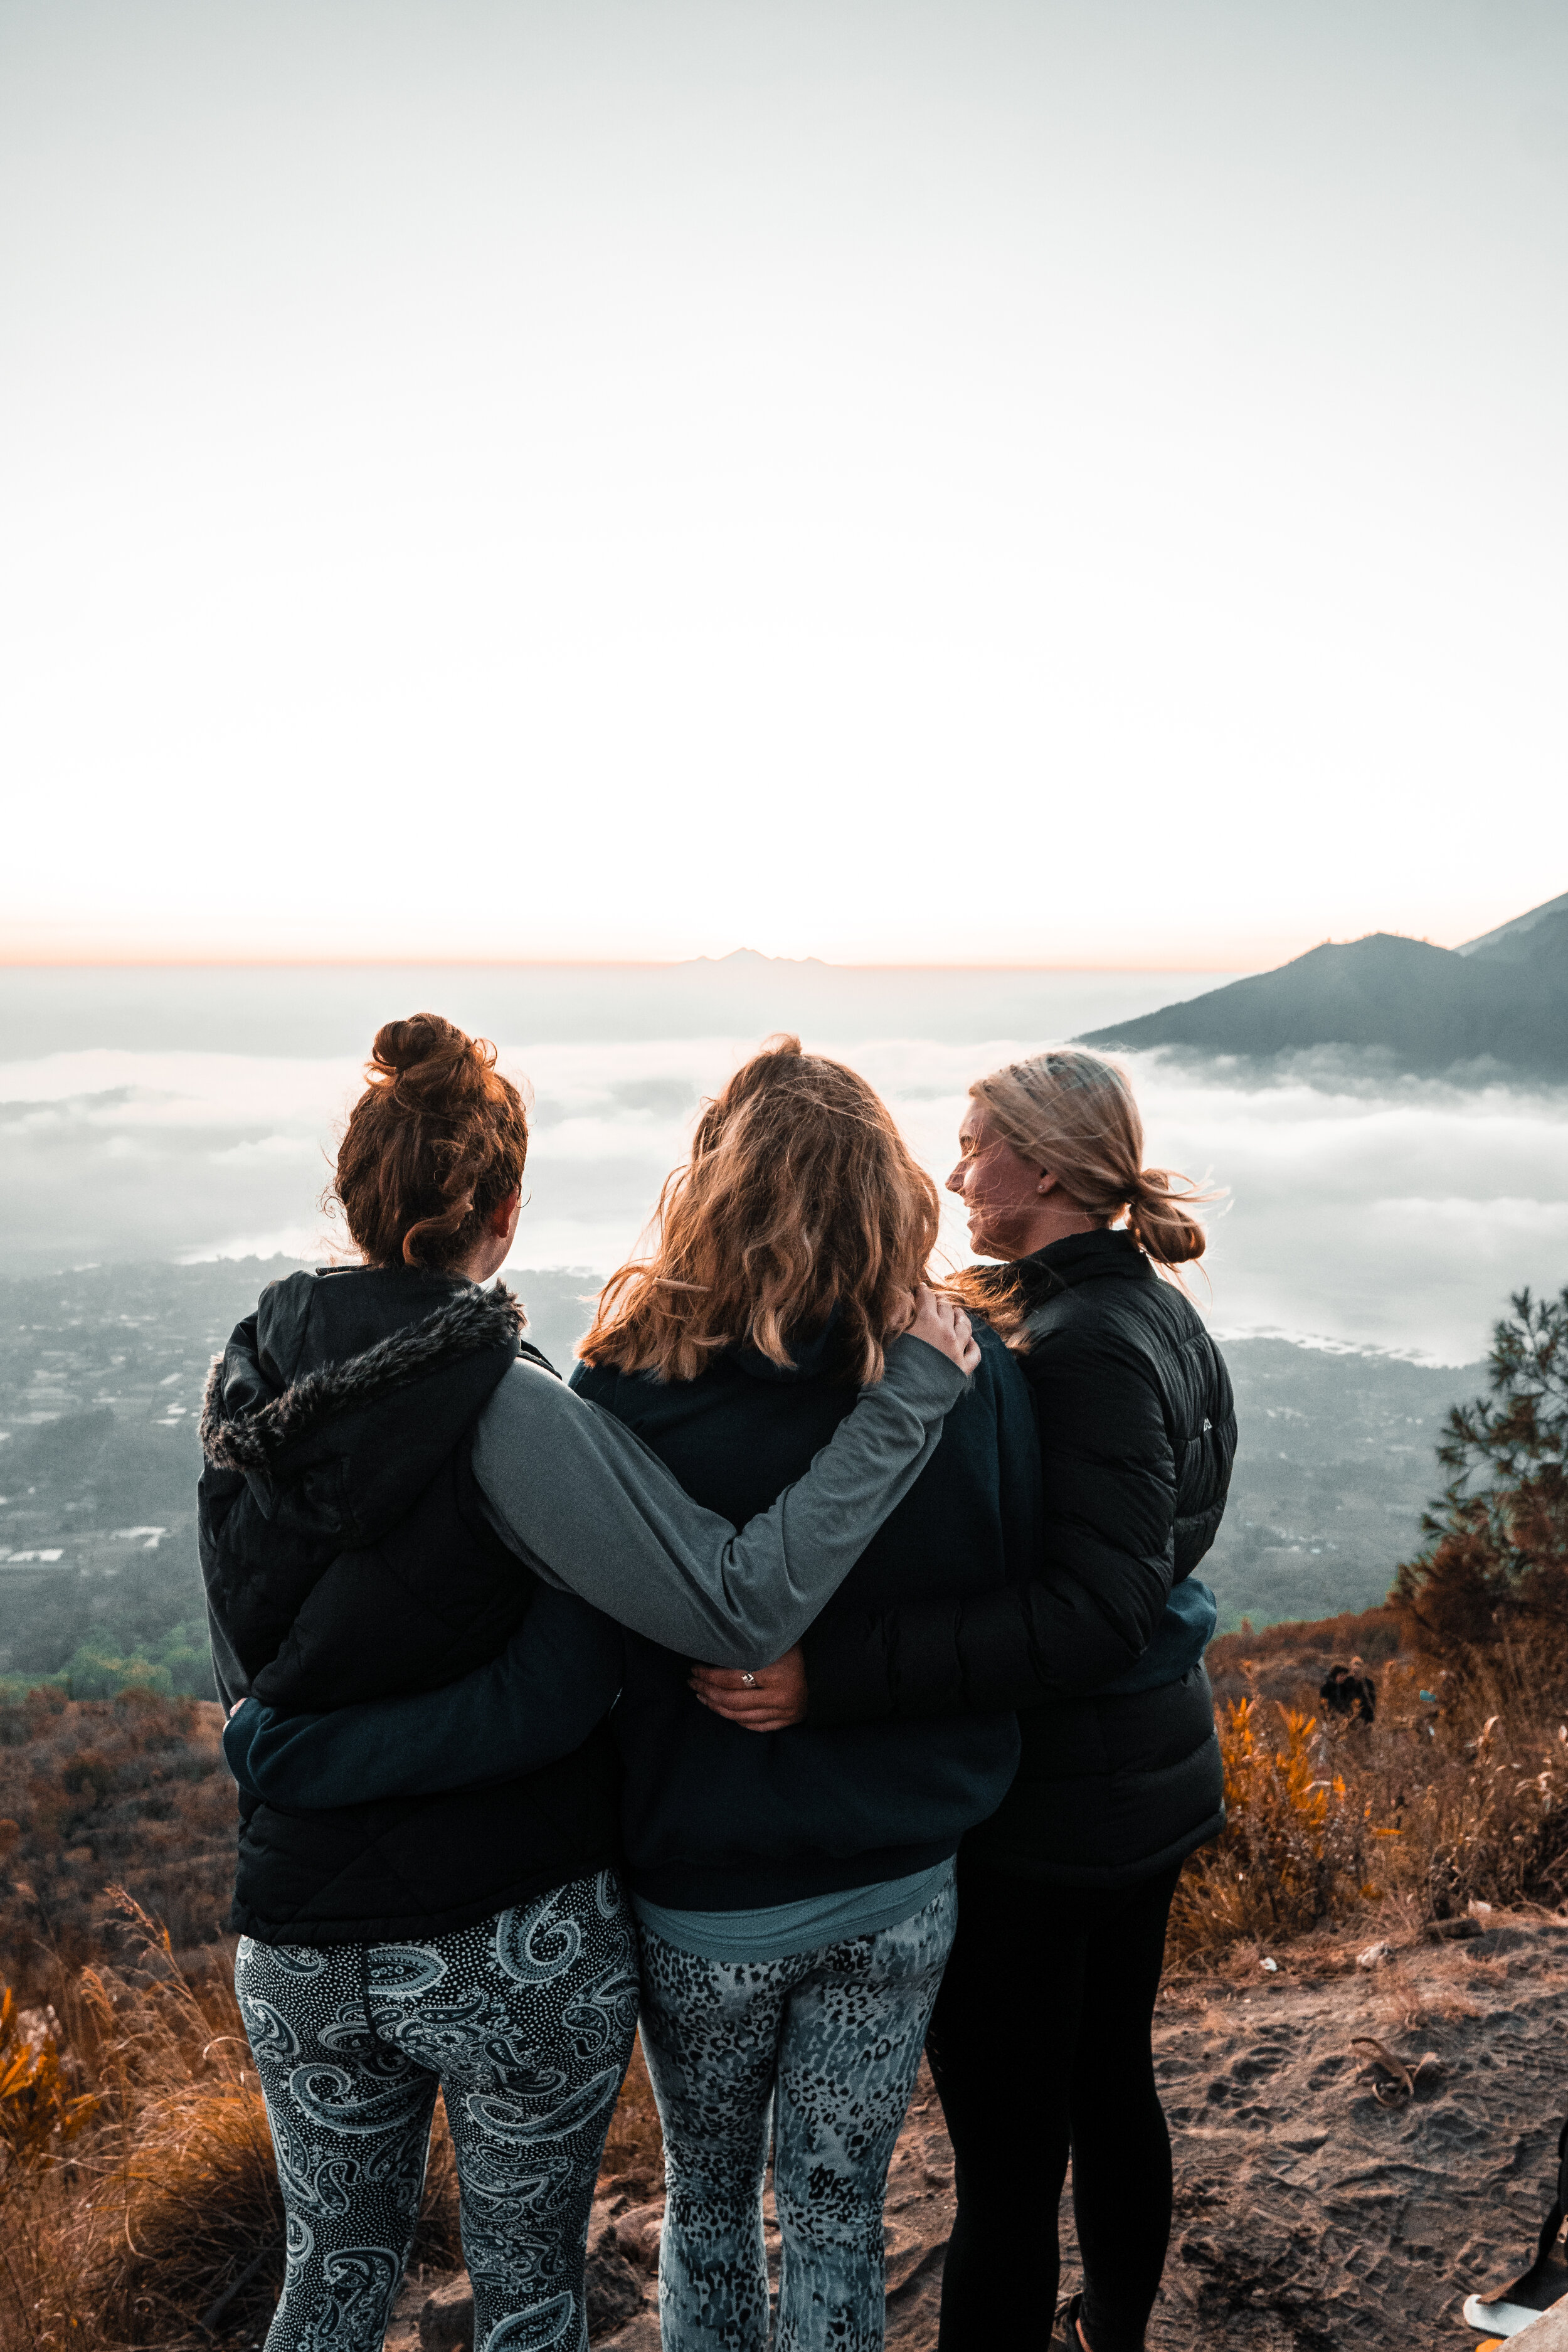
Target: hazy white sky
995, 480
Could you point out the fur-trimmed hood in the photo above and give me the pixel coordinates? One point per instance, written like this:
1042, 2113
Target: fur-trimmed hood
250, 1435
349, 1556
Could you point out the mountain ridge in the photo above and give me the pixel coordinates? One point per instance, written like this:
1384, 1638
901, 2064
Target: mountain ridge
1521, 924
1498, 1003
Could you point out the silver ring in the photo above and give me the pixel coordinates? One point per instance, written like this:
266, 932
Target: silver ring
750, 1681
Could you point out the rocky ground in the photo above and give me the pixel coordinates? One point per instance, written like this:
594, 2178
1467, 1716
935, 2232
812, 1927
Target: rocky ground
1310, 2215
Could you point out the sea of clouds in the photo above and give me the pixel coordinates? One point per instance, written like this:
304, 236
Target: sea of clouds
1360, 1207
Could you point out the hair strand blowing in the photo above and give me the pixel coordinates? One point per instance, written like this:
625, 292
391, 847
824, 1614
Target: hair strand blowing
1071, 1113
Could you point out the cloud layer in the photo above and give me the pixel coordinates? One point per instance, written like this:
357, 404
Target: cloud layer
1396, 1218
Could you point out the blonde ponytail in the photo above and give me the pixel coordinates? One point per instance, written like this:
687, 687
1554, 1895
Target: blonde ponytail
1159, 1220
1071, 1113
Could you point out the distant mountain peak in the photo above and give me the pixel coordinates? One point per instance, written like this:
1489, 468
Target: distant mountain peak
1499, 1002
751, 958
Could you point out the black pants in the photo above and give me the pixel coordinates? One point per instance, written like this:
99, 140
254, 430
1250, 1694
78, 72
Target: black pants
1040, 2044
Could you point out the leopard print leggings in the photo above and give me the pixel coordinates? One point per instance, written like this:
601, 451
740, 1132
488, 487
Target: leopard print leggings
824, 2046
525, 2022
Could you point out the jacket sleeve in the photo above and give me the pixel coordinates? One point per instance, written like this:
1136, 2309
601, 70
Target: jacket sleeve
539, 1700
594, 1510
1098, 1589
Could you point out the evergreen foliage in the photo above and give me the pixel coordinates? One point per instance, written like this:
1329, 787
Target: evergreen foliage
1496, 1561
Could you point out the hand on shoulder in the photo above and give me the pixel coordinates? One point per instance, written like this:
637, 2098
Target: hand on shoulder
942, 1324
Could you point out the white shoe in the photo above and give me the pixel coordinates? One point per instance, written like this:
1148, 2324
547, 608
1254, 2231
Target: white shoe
1497, 2319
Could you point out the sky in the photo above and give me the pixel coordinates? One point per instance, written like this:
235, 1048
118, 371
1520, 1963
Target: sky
990, 482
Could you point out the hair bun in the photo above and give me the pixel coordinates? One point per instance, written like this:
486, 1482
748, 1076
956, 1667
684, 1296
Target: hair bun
438, 1055
403, 1044
436, 1142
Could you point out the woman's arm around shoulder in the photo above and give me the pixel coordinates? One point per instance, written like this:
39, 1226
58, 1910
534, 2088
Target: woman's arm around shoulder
558, 1676
585, 1484
594, 1510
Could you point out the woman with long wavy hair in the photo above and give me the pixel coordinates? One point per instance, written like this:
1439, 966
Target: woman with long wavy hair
1040, 2041
794, 1897
398, 1491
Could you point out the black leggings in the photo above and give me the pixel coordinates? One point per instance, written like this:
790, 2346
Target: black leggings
1040, 2044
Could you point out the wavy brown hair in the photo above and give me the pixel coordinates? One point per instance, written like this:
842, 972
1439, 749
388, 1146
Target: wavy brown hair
433, 1146
799, 1198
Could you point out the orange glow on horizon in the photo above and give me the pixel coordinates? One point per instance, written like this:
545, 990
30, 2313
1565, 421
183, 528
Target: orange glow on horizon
202, 962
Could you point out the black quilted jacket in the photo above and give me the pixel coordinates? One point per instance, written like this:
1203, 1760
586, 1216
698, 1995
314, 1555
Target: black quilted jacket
1137, 1436
337, 1429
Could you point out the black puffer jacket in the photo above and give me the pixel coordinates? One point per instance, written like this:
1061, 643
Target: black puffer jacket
1137, 1436
338, 1428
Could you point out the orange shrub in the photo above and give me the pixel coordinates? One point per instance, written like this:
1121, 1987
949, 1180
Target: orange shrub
1291, 1849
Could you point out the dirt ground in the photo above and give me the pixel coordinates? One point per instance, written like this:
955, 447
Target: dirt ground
1309, 2216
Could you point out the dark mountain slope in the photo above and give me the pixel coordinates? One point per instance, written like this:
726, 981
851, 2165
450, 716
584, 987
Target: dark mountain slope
1503, 1000
1541, 948
1506, 932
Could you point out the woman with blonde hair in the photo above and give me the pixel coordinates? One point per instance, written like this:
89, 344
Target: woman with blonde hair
1040, 2041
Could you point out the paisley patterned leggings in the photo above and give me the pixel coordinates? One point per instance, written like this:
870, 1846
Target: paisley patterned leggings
526, 2023
827, 2044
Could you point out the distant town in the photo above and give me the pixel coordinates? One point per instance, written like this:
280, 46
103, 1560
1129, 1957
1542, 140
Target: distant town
101, 1372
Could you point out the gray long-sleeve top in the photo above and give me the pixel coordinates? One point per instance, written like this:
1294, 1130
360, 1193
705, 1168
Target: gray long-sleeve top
599, 1518
593, 1511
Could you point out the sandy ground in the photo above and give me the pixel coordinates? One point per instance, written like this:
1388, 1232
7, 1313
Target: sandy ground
1307, 2215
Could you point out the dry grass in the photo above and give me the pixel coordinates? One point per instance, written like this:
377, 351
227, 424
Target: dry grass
1294, 1842
181, 2203
42, 2115
634, 2152
130, 1791
1455, 1797
160, 2223
1371, 1633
